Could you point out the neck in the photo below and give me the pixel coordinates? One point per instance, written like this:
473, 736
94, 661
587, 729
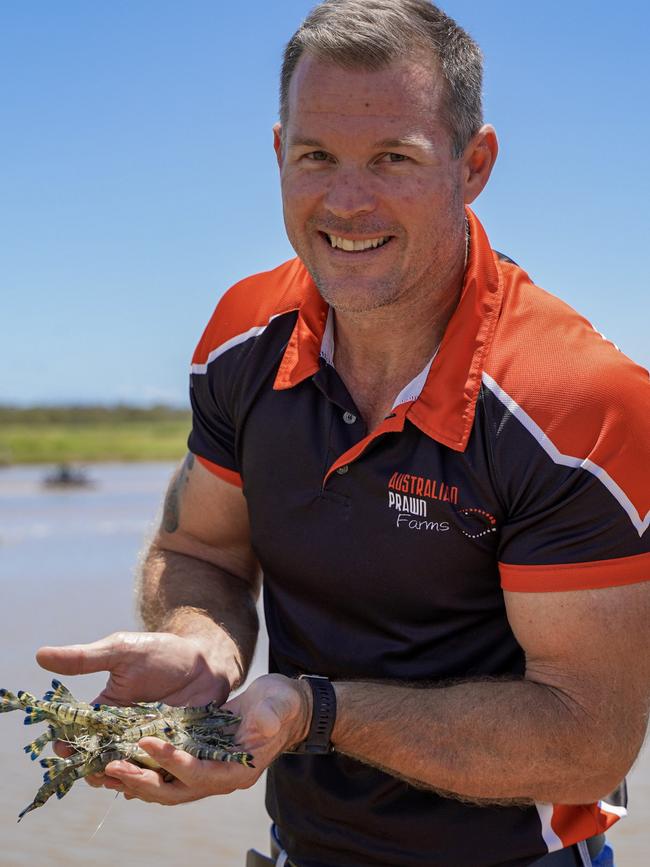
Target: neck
390, 342
378, 352
407, 331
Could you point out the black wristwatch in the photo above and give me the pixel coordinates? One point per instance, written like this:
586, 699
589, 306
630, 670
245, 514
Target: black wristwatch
318, 740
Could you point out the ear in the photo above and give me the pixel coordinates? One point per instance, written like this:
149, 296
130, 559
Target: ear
478, 161
277, 143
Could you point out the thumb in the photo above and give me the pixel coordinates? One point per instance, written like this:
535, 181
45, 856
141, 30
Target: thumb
269, 718
80, 658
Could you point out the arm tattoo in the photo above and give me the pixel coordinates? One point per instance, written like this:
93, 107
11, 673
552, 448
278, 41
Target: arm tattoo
171, 509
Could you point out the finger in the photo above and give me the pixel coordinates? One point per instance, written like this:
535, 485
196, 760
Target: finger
96, 780
62, 749
268, 719
106, 697
178, 763
234, 705
196, 775
79, 658
261, 725
145, 784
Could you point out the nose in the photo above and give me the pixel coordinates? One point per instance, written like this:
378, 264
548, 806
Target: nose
349, 194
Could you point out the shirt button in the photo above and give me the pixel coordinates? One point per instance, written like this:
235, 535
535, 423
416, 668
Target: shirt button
349, 417
343, 470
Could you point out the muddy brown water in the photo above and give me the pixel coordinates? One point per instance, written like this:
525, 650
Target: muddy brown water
66, 566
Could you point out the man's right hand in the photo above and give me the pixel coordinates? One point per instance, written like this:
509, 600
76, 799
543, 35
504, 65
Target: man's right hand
143, 666
198, 590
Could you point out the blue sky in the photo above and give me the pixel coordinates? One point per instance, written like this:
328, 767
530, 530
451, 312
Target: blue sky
138, 181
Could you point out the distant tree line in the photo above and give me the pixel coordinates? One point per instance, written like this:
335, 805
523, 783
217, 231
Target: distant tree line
88, 414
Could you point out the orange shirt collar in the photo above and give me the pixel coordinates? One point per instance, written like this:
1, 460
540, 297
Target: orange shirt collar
445, 407
301, 356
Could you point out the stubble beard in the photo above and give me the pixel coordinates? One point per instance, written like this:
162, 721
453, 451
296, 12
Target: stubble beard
345, 294
345, 300
397, 290
400, 287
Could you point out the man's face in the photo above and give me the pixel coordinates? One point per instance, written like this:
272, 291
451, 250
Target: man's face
373, 198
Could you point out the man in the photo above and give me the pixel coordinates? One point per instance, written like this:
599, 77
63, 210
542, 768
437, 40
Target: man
442, 472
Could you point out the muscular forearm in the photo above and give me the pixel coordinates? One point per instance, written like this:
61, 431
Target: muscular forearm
496, 741
193, 598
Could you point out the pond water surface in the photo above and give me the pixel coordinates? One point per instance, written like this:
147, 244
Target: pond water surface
67, 560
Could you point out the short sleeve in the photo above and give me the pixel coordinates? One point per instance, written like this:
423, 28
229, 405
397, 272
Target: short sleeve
212, 398
576, 508
571, 532
212, 438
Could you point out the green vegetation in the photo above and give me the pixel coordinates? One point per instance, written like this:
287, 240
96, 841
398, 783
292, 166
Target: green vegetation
92, 433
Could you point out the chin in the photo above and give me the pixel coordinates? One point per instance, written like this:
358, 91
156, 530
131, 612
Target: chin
354, 299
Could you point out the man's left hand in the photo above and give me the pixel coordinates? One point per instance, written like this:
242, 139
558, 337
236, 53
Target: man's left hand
275, 713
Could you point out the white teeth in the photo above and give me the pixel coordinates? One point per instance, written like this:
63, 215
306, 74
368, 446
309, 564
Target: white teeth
350, 246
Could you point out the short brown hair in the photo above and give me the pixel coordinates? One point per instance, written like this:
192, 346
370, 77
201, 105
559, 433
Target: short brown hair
370, 34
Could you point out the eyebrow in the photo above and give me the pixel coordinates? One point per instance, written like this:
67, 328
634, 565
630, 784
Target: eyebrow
405, 142
408, 141
305, 142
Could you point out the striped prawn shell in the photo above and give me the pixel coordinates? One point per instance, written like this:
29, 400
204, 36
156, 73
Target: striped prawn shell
100, 733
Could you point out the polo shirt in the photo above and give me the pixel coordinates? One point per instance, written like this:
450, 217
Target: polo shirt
519, 459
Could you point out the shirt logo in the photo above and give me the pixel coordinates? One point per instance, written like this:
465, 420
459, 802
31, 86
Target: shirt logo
410, 495
482, 523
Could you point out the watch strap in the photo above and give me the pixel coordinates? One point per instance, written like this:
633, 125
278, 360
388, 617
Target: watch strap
318, 740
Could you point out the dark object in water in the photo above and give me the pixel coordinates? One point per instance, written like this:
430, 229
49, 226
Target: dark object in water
65, 476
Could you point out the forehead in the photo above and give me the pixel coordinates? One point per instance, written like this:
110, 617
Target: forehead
403, 96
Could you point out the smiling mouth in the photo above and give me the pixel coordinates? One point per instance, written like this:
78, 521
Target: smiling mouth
354, 246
